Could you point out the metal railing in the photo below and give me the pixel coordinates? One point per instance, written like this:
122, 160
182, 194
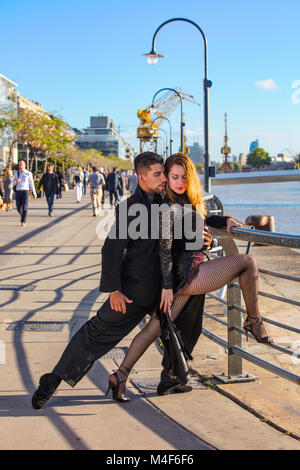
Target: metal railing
234, 310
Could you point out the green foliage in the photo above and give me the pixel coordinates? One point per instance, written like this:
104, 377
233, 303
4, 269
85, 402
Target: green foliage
258, 158
36, 130
237, 166
199, 167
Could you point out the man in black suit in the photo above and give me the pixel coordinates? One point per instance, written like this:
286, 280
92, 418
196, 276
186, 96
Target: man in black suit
131, 275
113, 186
51, 186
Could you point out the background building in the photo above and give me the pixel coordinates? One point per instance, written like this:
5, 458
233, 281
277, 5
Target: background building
196, 152
254, 145
8, 101
242, 159
102, 136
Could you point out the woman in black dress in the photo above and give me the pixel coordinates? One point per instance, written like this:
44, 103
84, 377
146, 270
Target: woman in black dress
186, 270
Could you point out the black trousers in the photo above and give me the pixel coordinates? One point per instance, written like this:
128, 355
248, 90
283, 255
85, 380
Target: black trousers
113, 193
22, 198
95, 338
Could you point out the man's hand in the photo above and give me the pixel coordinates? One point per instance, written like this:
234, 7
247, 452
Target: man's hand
118, 301
232, 223
34, 196
207, 237
166, 300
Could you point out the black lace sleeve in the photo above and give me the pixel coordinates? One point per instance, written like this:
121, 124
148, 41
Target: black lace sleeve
166, 233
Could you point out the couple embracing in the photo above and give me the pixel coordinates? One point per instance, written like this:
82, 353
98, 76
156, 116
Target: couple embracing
146, 274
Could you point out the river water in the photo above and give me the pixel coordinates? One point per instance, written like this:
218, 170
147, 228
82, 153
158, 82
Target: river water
281, 200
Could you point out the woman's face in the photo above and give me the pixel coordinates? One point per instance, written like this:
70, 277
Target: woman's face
177, 179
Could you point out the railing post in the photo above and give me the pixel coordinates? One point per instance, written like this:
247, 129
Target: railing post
234, 320
234, 338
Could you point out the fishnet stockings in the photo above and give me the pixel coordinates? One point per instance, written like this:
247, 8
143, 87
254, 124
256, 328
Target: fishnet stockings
218, 272
212, 275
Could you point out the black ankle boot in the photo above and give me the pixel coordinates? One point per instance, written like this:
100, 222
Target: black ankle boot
47, 388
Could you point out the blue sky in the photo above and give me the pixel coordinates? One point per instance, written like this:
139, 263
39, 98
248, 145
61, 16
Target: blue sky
84, 58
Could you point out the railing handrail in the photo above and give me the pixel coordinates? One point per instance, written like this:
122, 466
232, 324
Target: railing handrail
260, 236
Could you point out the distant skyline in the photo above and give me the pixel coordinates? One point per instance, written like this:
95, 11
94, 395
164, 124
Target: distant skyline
83, 59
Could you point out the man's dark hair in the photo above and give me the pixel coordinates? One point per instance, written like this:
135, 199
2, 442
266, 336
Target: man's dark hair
95, 169
144, 160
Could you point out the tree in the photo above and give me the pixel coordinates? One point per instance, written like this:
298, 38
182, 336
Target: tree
237, 166
258, 158
40, 132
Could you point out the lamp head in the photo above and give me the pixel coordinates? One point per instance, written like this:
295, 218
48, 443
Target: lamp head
152, 57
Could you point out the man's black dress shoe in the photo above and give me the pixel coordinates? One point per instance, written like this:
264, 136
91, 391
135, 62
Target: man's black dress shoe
166, 389
47, 388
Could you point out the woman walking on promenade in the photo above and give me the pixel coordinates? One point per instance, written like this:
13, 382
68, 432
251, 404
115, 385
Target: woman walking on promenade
187, 273
8, 189
77, 183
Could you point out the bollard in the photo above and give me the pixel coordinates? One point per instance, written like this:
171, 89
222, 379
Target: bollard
261, 222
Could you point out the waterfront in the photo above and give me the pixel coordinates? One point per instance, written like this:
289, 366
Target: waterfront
281, 200
249, 174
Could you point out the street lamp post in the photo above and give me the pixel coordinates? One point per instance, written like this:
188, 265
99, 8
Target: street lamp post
181, 112
152, 59
166, 141
163, 117
162, 144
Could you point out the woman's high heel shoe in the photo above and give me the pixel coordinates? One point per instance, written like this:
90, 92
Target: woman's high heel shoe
114, 383
253, 325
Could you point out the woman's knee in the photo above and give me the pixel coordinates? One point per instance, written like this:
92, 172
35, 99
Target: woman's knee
250, 262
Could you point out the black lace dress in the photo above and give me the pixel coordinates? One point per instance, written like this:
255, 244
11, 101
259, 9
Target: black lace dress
180, 258
181, 248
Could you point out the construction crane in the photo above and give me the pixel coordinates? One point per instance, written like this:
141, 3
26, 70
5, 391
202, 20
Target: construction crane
164, 105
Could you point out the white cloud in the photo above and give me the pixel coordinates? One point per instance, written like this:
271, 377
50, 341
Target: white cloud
267, 84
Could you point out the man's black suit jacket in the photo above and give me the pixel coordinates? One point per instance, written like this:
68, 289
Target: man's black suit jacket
131, 265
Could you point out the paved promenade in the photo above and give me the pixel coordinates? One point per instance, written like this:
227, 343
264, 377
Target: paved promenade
49, 278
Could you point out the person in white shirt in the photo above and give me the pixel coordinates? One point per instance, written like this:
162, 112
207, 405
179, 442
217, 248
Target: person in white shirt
77, 183
23, 181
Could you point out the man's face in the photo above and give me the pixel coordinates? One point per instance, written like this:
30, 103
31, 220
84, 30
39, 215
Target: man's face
50, 169
21, 165
154, 180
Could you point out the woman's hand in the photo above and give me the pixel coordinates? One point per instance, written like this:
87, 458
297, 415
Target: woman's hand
166, 300
232, 223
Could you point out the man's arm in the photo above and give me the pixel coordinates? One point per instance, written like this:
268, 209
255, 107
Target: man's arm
31, 185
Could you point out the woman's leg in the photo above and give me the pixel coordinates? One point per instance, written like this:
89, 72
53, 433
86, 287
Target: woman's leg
217, 273
139, 345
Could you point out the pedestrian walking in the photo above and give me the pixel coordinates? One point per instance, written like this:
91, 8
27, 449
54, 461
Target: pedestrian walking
23, 181
50, 184
85, 180
8, 190
132, 182
77, 183
113, 186
95, 182
104, 186
61, 181
1, 195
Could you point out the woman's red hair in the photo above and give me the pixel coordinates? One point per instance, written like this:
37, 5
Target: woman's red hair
194, 191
